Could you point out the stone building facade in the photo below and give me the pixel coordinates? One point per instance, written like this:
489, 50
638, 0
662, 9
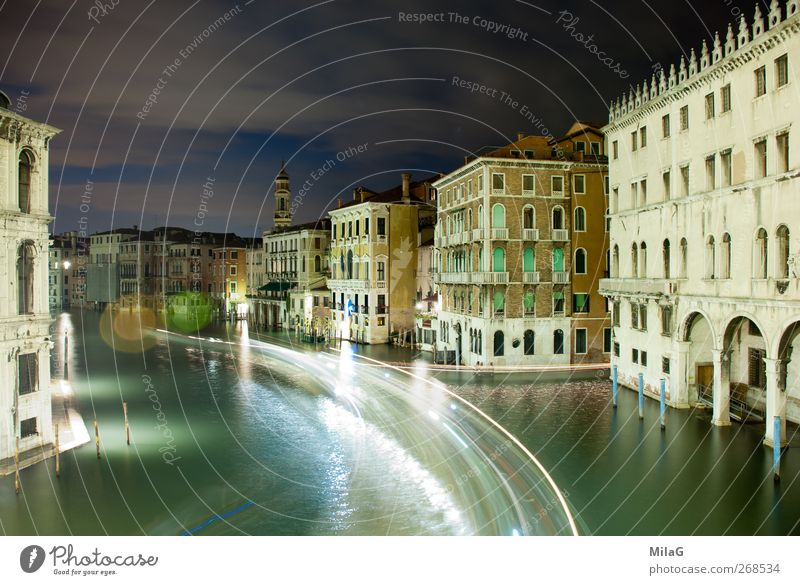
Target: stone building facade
704, 220
25, 395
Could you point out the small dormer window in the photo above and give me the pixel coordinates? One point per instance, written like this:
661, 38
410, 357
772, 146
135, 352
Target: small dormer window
580, 146
515, 153
529, 153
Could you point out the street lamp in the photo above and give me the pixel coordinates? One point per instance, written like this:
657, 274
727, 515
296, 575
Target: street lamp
67, 264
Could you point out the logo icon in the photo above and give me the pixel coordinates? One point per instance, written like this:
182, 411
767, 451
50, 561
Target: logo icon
31, 558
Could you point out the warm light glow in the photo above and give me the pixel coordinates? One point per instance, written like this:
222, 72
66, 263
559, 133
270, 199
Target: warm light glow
420, 306
67, 264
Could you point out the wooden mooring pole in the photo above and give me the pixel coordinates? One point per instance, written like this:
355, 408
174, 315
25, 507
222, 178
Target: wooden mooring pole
58, 454
97, 438
127, 426
16, 468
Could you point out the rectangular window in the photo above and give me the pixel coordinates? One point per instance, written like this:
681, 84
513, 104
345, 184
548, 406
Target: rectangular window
725, 98
709, 106
761, 80
381, 226
606, 340
234, 255
782, 144
635, 356
685, 118
557, 186
528, 185
28, 428
605, 184
711, 173
643, 356
233, 270
781, 71
580, 303
579, 184
381, 270
616, 348
594, 147
643, 317
665, 126
558, 303
349, 229
757, 376
580, 146
498, 183
480, 183
27, 373
760, 154
615, 313
634, 194
725, 161
685, 180
634, 140
580, 340
643, 191
366, 226
666, 320
664, 365
615, 149
634, 316
233, 286
358, 228
643, 136
665, 178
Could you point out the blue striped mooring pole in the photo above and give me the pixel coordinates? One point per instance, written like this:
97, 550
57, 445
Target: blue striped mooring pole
776, 447
663, 401
641, 395
614, 385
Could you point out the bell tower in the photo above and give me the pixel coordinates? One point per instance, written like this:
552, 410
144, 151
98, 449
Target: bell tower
283, 216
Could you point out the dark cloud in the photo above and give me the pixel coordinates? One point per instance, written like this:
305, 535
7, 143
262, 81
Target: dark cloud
304, 81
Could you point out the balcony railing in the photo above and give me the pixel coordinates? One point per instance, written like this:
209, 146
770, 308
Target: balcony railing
454, 277
647, 286
381, 284
351, 284
531, 235
490, 277
530, 277
381, 310
477, 233
561, 235
560, 277
499, 233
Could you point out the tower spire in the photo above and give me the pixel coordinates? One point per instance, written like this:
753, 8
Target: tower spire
283, 215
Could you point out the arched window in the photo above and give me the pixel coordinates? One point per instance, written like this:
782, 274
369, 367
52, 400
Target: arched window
665, 257
499, 303
558, 341
760, 254
499, 350
317, 264
469, 219
499, 260
608, 220
643, 260
480, 341
558, 218
711, 256
528, 341
684, 257
725, 257
580, 261
634, 260
302, 264
480, 259
24, 186
580, 219
782, 264
615, 262
558, 260
25, 255
498, 216
480, 216
349, 264
528, 218
528, 260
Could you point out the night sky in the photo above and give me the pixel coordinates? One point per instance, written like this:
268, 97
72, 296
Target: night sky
310, 82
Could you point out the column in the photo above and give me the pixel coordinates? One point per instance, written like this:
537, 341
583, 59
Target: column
679, 376
776, 402
722, 390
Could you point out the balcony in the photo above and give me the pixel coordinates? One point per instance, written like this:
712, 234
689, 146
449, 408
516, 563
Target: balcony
381, 310
530, 277
477, 233
499, 233
489, 277
454, 277
637, 286
560, 235
560, 277
530, 235
348, 284
380, 285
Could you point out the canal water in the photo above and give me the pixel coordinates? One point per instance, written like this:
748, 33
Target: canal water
240, 433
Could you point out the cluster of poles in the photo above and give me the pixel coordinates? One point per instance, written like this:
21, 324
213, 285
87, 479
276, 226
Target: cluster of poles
776, 427
17, 482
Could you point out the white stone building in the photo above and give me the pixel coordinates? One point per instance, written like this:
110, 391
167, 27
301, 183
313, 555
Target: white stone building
704, 222
25, 396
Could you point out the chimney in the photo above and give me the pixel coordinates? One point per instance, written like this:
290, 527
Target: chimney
355, 194
363, 196
520, 136
340, 202
406, 187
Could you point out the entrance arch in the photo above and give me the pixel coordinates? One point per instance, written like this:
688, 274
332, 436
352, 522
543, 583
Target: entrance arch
698, 331
743, 368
